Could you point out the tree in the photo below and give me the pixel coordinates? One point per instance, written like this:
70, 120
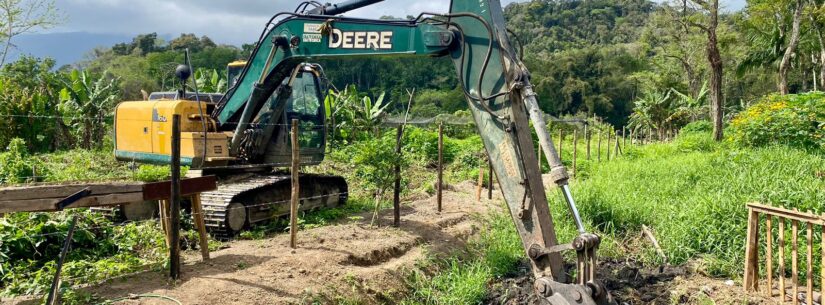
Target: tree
786, 59
24, 16
709, 10
85, 104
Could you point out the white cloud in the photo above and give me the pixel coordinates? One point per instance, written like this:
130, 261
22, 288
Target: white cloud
225, 21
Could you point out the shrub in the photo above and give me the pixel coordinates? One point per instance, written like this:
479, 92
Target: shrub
15, 164
697, 127
797, 120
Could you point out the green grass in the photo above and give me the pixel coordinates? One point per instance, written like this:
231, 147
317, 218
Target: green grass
691, 192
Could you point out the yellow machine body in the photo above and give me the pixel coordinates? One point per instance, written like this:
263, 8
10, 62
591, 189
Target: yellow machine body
143, 133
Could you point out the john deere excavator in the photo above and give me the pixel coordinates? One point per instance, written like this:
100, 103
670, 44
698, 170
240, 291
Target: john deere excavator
243, 137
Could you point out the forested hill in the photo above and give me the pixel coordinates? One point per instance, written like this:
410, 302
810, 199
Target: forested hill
586, 57
547, 27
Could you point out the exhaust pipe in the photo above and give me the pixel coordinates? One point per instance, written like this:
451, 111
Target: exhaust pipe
343, 7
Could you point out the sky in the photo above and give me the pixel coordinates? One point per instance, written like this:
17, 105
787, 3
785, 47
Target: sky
226, 21
102, 23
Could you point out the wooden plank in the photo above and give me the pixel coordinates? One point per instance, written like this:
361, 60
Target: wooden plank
162, 190
795, 260
751, 279
50, 205
63, 191
788, 214
197, 214
769, 254
809, 274
782, 259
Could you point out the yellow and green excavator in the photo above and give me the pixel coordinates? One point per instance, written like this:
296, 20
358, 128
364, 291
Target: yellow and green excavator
242, 137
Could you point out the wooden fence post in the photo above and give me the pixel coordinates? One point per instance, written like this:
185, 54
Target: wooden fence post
174, 227
809, 274
795, 260
480, 181
822, 264
781, 259
751, 279
624, 135
440, 186
396, 197
490, 181
769, 253
609, 139
587, 139
561, 142
296, 191
575, 147
197, 214
618, 150
599, 147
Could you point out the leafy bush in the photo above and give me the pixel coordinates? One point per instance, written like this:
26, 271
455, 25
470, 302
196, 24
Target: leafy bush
154, 173
15, 164
697, 127
797, 120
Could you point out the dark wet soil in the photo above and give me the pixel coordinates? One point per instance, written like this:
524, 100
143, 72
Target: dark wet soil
629, 282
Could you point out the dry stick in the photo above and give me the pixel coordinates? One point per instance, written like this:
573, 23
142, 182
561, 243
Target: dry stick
769, 254
782, 259
480, 181
296, 191
396, 197
440, 185
174, 213
163, 211
54, 292
646, 231
197, 213
794, 261
809, 275
587, 139
575, 147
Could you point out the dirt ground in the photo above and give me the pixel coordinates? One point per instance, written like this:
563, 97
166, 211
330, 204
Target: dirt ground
348, 261
355, 263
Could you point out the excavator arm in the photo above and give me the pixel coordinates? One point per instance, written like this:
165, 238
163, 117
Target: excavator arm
497, 87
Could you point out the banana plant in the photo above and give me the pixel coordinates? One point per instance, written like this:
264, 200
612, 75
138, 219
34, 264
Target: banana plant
85, 104
353, 114
210, 81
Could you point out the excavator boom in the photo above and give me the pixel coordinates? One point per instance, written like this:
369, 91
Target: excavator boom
497, 87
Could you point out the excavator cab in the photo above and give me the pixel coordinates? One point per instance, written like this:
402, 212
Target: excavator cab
305, 104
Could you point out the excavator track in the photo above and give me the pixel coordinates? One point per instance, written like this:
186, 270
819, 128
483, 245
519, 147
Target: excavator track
242, 202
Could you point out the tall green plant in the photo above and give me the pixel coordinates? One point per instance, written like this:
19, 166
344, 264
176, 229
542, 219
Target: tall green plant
210, 81
85, 104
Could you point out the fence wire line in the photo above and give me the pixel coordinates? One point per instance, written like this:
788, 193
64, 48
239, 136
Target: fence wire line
164, 217
446, 119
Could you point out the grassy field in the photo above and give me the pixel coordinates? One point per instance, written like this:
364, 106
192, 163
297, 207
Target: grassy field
691, 192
